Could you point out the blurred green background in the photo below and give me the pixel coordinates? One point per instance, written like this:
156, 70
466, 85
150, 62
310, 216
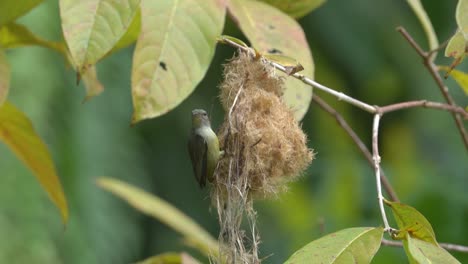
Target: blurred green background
356, 50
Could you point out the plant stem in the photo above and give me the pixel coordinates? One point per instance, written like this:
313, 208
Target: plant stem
432, 68
376, 158
362, 147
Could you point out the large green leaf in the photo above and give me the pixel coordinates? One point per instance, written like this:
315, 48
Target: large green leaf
461, 15
10, 10
295, 8
17, 132
423, 252
93, 27
164, 212
173, 52
412, 222
4, 77
271, 31
352, 245
170, 258
15, 35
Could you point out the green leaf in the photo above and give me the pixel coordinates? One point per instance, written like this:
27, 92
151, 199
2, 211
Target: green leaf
291, 65
4, 77
92, 84
275, 32
10, 10
164, 212
93, 27
295, 8
225, 38
15, 35
456, 47
460, 77
170, 258
412, 222
17, 132
131, 35
352, 245
461, 14
173, 52
420, 251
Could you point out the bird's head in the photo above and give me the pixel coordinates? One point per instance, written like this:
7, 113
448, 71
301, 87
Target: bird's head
200, 118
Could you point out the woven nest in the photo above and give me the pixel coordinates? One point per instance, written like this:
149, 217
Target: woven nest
259, 129
265, 148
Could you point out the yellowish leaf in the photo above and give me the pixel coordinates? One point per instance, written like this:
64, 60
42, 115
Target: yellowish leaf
460, 77
291, 65
10, 10
93, 27
456, 46
17, 132
173, 52
164, 212
4, 77
15, 35
420, 251
131, 35
225, 38
461, 15
271, 31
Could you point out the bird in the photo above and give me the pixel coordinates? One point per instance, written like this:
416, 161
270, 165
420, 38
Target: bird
203, 147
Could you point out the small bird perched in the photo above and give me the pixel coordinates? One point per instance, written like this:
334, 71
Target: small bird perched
203, 147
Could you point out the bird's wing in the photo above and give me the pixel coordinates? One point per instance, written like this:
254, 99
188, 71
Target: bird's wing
198, 149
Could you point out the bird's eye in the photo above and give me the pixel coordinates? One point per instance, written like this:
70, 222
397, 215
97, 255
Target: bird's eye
205, 114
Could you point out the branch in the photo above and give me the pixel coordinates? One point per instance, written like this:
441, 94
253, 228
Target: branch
432, 68
426, 104
362, 147
448, 246
376, 158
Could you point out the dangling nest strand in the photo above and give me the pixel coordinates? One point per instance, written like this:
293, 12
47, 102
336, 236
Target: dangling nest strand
264, 149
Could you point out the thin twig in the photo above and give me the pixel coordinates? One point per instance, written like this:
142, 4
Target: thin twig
441, 46
362, 147
432, 68
454, 247
391, 243
426, 104
376, 158
448, 246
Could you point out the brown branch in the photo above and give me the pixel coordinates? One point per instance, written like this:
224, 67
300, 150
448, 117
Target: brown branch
448, 246
432, 68
426, 104
362, 147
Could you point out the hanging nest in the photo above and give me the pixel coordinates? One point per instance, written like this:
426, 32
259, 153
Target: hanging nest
265, 148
